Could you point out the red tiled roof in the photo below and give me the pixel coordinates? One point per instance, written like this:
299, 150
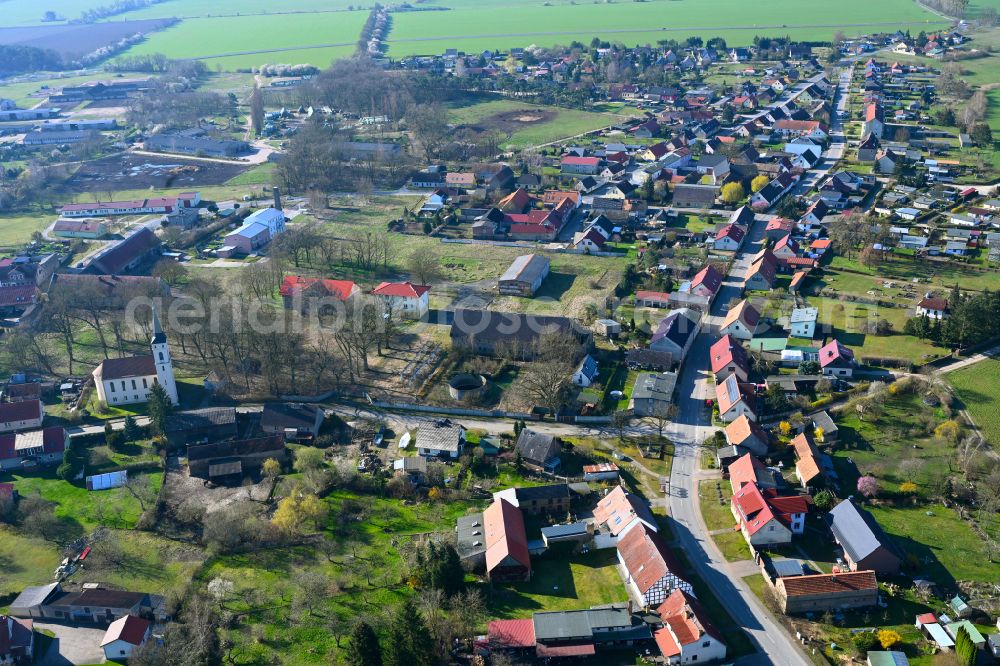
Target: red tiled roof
581, 161
807, 465
341, 289
53, 439
731, 392
646, 557
744, 312
401, 289
744, 470
687, 618
503, 528
552, 197
130, 629
125, 252
565, 650
618, 508
17, 295
643, 295
516, 201
512, 633
834, 352
933, 303
665, 641
709, 277
798, 125
782, 223
797, 586
726, 351
26, 410
741, 430
731, 231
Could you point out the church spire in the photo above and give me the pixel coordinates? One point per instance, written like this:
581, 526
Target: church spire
159, 337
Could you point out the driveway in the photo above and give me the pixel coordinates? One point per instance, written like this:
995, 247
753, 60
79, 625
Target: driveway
72, 645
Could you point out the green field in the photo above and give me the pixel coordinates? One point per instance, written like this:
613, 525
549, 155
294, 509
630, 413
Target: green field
558, 583
473, 27
17, 229
977, 387
82, 509
288, 37
847, 318
529, 124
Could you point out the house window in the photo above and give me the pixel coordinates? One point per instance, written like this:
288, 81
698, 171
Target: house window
161, 356
144, 384
133, 385
706, 644
123, 384
111, 385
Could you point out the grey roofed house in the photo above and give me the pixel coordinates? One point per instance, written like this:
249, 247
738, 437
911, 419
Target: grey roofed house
211, 422
191, 145
539, 449
604, 623
487, 332
410, 465
742, 215
470, 540
695, 196
28, 603
441, 436
823, 420
198, 418
571, 531
562, 626
648, 359
864, 542
277, 417
525, 274
652, 392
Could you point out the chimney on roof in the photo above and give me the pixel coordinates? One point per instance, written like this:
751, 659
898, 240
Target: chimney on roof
277, 198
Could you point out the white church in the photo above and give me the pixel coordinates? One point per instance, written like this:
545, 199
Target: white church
127, 381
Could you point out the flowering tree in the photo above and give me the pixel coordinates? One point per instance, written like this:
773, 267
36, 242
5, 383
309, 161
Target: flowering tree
868, 486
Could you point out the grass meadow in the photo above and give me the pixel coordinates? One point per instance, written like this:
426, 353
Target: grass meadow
977, 387
290, 35
474, 27
553, 123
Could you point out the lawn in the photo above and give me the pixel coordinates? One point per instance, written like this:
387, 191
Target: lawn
16, 230
977, 386
474, 27
716, 513
896, 447
25, 561
944, 545
365, 564
528, 124
847, 318
562, 583
79, 509
733, 546
314, 38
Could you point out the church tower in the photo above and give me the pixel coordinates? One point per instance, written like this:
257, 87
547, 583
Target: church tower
161, 357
